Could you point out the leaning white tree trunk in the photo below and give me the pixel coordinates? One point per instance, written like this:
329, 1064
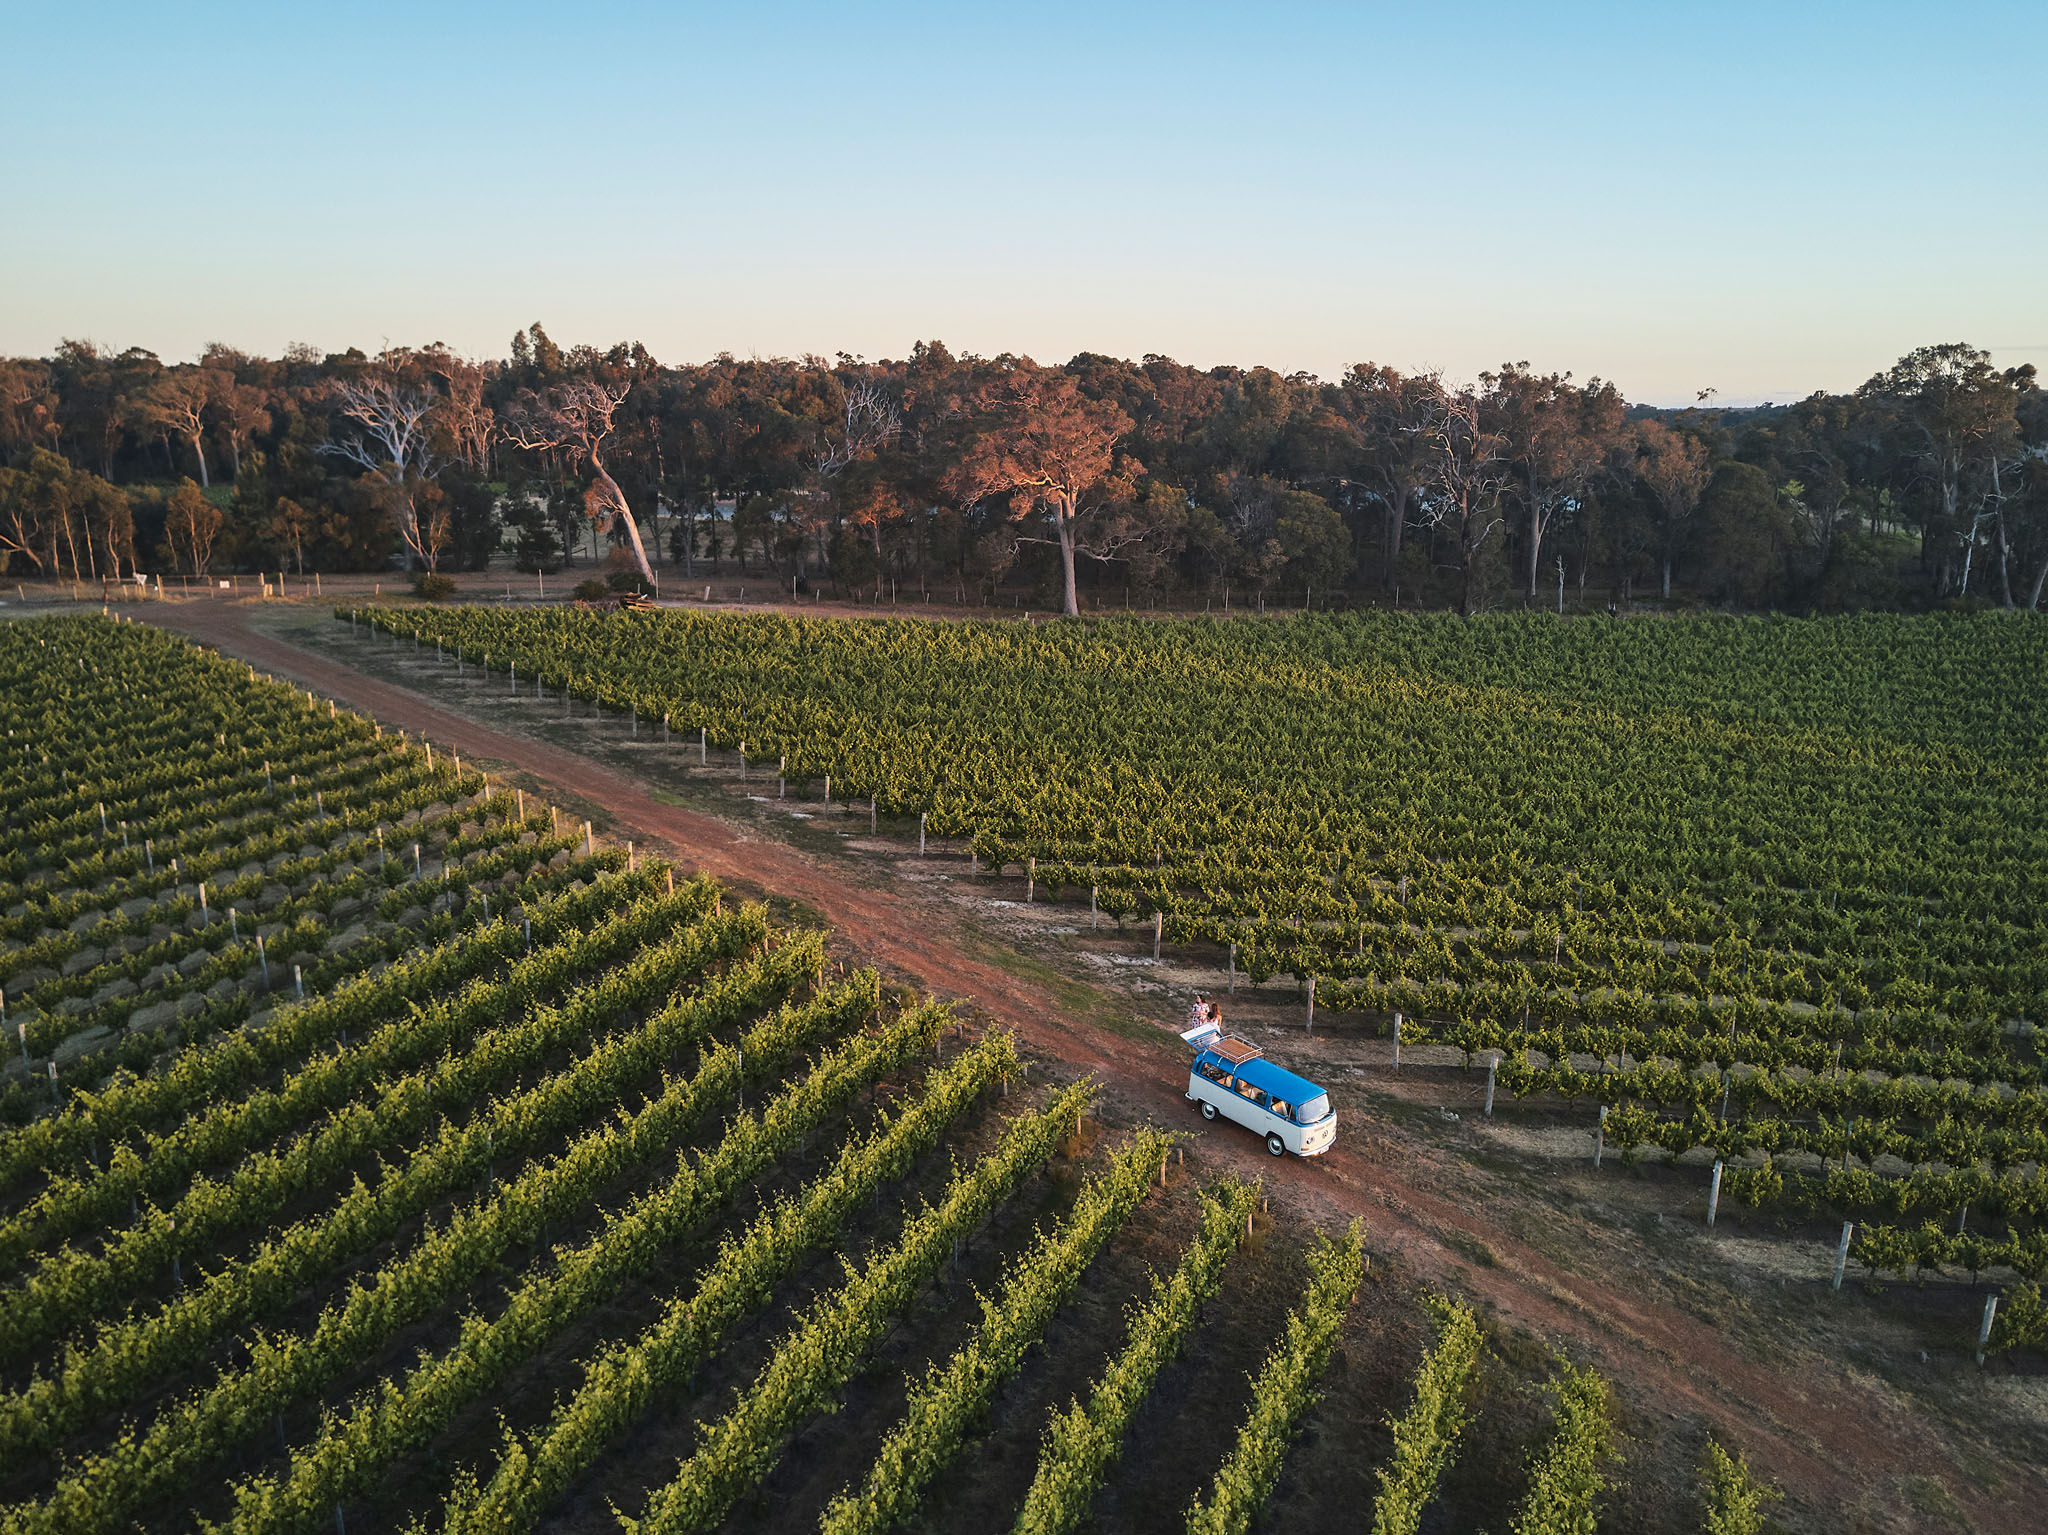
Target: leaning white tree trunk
616, 498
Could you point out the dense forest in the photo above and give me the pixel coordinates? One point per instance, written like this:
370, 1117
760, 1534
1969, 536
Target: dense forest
1096, 483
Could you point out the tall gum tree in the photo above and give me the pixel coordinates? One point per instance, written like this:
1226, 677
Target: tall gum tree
1052, 450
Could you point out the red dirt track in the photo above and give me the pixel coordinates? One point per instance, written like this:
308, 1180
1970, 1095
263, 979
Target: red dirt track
1830, 1438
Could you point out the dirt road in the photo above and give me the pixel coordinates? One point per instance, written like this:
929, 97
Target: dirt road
1838, 1439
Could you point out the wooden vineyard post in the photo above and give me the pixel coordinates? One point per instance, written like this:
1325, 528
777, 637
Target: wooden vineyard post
1311, 1004
1842, 1254
1233, 967
1984, 1331
589, 846
828, 791
299, 983
1397, 1041
1094, 916
53, 1082
1031, 883
743, 762
1714, 1196
1600, 1137
871, 815
1158, 931
1492, 1070
703, 747
629, 870
920, 832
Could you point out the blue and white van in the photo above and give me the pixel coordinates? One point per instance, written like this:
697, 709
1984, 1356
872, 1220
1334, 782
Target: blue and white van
1231, 1079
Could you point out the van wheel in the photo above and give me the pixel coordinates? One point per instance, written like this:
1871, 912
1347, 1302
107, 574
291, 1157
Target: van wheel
1275, 1145
1208, 1109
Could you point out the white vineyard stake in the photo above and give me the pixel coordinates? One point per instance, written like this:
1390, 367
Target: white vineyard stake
1842, 1253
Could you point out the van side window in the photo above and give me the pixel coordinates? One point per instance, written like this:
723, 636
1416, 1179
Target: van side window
1247, 1091
1282, 1107
1213, 1070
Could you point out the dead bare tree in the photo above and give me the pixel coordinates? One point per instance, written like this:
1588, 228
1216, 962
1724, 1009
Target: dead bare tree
576, 419
394, 441
468, 421
1466, 471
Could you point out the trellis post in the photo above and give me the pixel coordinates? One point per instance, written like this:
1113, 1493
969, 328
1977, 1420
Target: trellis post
1233, 966
1158, 931
1492, 1067
1311, 1004
920, 833
1714, 1195
1397, 1041
1984, 1331
1600, 1136
1842, 1253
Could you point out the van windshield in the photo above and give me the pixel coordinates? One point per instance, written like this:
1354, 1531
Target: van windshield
1316, 1108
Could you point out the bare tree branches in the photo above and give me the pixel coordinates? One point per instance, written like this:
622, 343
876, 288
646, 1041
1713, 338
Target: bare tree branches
575, 419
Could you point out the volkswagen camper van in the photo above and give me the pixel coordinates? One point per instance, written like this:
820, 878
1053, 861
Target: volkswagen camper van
1231, 1079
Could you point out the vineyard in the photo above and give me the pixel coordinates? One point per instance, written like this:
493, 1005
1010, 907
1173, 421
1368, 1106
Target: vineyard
381, 1153
1769, 889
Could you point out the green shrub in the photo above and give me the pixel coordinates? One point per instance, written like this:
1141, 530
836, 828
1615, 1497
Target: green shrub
433, 586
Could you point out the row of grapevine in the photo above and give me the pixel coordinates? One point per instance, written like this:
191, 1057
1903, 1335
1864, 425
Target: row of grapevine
952, 1398
1567, 1475
1082, 1443
1426, 1435
1284, 1389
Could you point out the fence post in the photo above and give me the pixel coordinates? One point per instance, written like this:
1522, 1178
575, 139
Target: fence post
1842, 1253
1714, 1196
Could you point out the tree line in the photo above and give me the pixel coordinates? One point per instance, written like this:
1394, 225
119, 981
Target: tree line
1098, 482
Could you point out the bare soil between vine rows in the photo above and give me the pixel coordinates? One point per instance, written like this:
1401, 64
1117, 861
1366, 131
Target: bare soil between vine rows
1865, 1406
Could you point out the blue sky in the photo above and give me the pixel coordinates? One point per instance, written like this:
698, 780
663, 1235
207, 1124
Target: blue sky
1761, 199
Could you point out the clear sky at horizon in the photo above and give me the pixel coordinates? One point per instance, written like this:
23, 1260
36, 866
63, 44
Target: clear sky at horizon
1760, 199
